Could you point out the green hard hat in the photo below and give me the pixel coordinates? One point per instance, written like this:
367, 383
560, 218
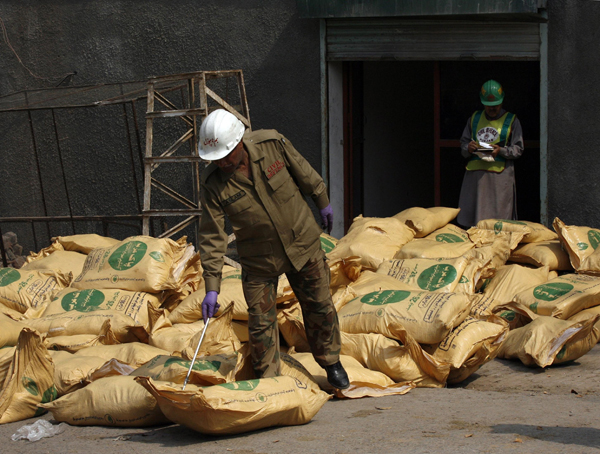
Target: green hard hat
491, 93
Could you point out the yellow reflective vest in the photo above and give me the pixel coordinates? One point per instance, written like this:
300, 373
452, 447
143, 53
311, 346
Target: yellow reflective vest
493, 132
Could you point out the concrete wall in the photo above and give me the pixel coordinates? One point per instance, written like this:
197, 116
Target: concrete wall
113, 41
573, 100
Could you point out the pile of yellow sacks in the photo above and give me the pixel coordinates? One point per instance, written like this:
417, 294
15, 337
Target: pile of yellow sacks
102, 332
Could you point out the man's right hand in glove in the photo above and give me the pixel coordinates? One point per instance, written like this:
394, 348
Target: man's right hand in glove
210, 305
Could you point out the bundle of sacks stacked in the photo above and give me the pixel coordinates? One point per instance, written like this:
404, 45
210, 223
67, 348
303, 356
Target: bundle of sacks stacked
102, 332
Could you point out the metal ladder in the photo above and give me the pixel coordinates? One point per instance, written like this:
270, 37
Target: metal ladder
188, 99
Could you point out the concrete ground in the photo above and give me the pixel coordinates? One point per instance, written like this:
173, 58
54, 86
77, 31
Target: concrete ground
504, 408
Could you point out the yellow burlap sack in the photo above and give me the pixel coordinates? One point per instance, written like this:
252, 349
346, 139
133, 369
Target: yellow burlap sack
75, 343
434, 275
482, 305
373, 240
470, 345
541, 341
84, 243
471, 277
220, 338
207, 370
344, 272
64, 261
427, 316
449, 234
11, 313
74, 372
71, 324
6, 358
291, 325
239, 406
190, 309
543, 253
116, 401
21, 289
363, 382
368, 282
495, 254
581, 244
431, 249
533, 231
584, 315
402, 363
240, 329
9, 331
423, 221
328, 243
133, 304
137, 264
29, 380
512, 279
173, 338
134, 354
561, 297
289, 367
485, 237
284, 290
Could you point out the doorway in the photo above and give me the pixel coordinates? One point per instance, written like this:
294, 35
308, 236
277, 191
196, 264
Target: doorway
402, 124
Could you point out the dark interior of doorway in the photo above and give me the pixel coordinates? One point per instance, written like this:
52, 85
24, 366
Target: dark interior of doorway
390, 131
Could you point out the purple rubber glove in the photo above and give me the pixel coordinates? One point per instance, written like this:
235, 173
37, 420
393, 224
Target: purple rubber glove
327, 218
210, 305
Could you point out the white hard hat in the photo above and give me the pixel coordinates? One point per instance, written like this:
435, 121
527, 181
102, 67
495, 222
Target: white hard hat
220, 132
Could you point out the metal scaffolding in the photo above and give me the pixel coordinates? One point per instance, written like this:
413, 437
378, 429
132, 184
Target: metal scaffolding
186, 97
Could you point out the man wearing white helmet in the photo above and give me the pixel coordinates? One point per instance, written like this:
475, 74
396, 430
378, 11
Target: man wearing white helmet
258, 180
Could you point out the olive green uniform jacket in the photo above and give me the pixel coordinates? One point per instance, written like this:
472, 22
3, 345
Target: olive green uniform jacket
274, 227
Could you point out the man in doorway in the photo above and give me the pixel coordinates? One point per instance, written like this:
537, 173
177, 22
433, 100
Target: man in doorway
492, 140
258, 180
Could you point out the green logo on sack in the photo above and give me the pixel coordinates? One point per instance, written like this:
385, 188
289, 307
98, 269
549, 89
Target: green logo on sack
30, 385
327, 245
534, 307
236, 275
509, 316
48, 396
463, 280
436, 277
582, 246
384, 297
561, 353
82, 300
551, 291
448, 238
127, 255
498, 227
247, 385
594, 238
199, 365
8, 276
157, 256
109, 419
261, 397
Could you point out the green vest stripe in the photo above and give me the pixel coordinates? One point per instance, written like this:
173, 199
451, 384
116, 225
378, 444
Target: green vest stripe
499, 163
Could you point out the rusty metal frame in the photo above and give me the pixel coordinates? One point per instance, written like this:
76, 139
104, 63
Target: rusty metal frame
196, 95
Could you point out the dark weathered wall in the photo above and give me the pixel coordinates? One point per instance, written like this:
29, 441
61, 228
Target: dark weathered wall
573, 140
113, 41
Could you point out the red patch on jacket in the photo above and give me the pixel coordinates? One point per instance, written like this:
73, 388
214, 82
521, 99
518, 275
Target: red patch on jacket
274, 168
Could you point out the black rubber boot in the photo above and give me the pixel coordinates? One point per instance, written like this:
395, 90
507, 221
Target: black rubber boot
337, 376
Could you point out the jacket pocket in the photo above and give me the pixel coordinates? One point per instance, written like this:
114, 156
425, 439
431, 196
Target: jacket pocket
283, 186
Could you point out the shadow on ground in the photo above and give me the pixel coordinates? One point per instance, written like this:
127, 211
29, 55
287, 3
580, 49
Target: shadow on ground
581, 436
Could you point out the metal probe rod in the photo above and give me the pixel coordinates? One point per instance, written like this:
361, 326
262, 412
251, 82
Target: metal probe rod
195, 354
